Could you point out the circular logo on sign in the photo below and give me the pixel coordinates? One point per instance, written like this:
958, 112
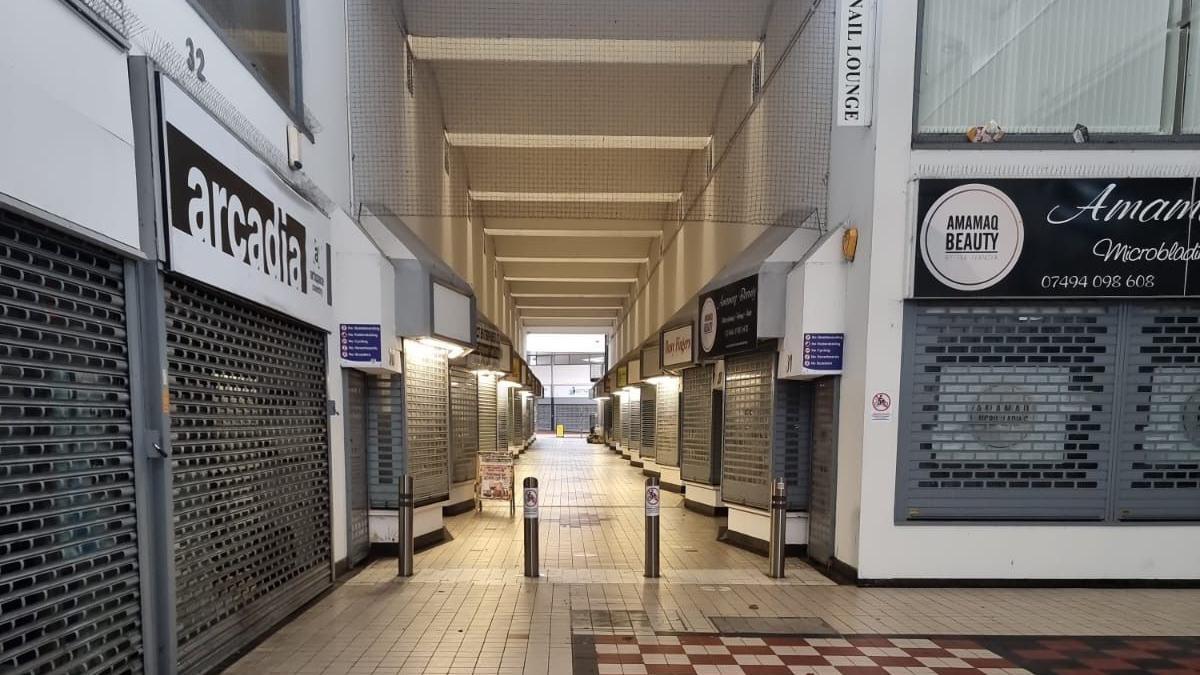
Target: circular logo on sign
972, 237
881, 402
708, 325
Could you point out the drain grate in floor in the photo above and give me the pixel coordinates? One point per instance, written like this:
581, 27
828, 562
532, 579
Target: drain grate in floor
583, 620
763, 625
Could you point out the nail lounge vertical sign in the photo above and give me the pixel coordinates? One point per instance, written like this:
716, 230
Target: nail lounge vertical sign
855, 58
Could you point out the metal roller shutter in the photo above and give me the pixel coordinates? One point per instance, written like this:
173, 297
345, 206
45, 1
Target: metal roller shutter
635, 421
385, 440
1158, 469
464, 423
518, 413
619, 417
792, 440
1009, 412
667, 425
251, 472
749, 428
649, 417
823, 470
427, 417
488, 431
697, 460
503, 418
356, 451
69, 589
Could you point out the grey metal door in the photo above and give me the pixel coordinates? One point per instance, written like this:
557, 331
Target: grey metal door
699, 449
649, 417
464, 423
823, 473
747, 440
250, 468
427, 422
69, 588
356, 469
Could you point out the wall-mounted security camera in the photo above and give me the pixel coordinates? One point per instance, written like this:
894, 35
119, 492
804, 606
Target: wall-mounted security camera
293, 148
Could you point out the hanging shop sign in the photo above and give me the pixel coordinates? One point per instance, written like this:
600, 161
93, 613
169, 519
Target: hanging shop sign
729, 318
855, 56
487, 341
361, 342
1051, 238
675, 346
232, 222
622, 376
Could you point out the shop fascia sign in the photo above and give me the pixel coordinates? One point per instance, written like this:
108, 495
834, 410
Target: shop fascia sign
233, 223
855, 58
675, 346
1057, 238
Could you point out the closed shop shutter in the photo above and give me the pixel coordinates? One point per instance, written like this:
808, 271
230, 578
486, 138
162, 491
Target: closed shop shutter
356, 451
1158, 469
635, 421
699, 461
464, 423
427, 429
648, 420
503, 417
1009, 412
518, 413
69, 588
792, 440
621, 420
666, 407
823, 471
749, 427
251, 470
385, 440
488, 431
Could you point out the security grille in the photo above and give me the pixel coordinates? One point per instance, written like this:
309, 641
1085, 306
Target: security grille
488, 429
635, 421
1009, 412
823, 471
385, 440
427, 416
69, 594
618, 421
792, 440
648, 420
746, 466
699, 461
251, 469
464, 423
606, 412
518, 413
1159, 467
503, 418
666, 407
356, 451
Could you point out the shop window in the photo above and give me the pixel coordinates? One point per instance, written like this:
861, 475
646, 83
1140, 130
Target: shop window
1043, 67
264, 35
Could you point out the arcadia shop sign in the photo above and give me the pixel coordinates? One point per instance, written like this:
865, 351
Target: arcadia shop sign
233, 223
1019, 238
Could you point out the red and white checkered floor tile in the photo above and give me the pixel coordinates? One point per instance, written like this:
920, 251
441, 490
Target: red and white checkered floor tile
719, 655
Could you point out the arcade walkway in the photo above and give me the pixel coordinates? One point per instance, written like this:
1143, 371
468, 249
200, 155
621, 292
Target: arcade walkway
469, 610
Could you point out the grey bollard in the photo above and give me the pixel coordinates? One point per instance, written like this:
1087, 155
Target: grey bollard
404, 540
530, 500
778, 541
653, 505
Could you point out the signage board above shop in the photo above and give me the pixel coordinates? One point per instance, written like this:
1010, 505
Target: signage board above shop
233, 223
855, 56
1053, 238
675, 346
729, 318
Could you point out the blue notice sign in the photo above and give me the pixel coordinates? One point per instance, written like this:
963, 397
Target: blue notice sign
361, 342
823, 351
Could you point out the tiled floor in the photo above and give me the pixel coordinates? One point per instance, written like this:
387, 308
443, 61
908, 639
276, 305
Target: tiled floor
469, 610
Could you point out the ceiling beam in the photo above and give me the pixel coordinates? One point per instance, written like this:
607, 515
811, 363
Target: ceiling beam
583, 50
516, 294
576, 197
614, 308
568, 259
619, 234
576, 141
576, 280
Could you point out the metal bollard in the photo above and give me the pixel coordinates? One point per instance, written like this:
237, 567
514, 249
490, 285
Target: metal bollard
530, 499
404, 536
653, 501
778, 541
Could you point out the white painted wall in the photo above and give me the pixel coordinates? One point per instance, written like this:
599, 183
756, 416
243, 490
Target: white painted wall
66, 131
880, 163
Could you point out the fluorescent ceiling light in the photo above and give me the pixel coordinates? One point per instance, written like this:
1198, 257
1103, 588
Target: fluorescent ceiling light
576, 280
577, 141
520, 259
624, 234
452, 349
566, 50
575, 197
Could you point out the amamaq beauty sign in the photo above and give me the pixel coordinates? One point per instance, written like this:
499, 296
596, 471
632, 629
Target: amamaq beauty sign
233, 223
1038, 238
